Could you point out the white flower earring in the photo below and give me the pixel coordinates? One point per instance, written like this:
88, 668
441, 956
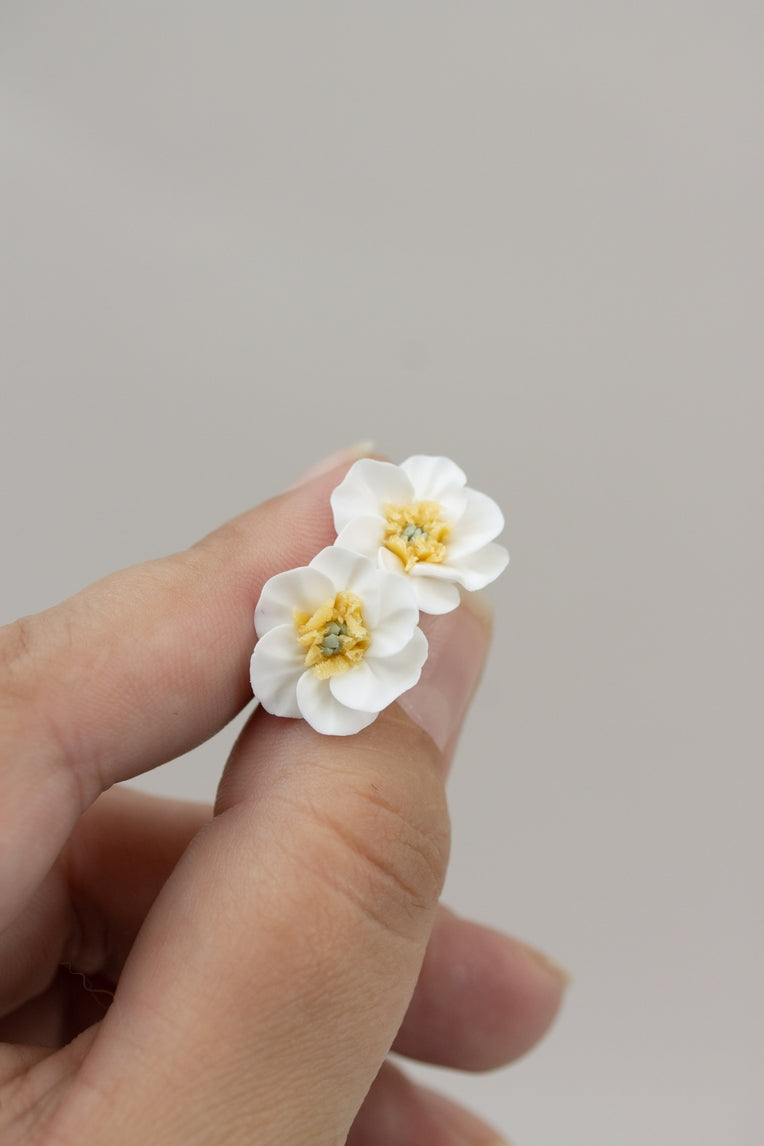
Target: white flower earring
338, 639
420, 520
338, 642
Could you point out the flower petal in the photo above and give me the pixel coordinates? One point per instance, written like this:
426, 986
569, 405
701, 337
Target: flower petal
274, 670
454, 504
397, 614
378, 681
303, 588
353, 572
432, 477
474, 571
322, 712
480, 523
344, 568
483, 567
366, 488
390, 561
362, 535
434, 596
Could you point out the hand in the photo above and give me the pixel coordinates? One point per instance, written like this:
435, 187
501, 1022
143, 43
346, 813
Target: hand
169, 975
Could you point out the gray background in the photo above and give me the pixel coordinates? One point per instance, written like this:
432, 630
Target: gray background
237, 236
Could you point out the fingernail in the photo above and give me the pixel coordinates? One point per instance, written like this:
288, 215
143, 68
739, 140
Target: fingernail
459, 643
459, 1126
549, 966
349, 454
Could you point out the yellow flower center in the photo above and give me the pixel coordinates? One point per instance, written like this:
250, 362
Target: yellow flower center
335, 636
416, 533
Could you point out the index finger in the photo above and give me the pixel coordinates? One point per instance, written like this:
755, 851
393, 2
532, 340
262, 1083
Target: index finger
134, 670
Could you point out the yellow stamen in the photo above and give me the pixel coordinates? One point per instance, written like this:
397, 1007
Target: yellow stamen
335, 636
416, 533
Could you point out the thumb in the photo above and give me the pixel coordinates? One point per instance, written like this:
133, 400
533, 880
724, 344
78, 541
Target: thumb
276, 966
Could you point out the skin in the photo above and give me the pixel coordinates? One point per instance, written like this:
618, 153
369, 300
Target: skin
172, 973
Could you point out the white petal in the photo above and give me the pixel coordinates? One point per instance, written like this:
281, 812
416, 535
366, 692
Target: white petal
344, 568
391, 562
397, 614
274, 670
435, 596
303, 588
355, 573
378, 681
454, 504
365, 490
480, 523
432, 595
322, 712
362, 535
474, 571
431, 477
483, 567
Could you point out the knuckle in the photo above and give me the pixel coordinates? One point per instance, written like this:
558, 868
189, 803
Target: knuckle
23, 660
18, 649
388, 838
35, 650
36, 653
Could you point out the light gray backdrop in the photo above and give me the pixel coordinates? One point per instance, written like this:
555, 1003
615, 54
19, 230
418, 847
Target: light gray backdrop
237, 236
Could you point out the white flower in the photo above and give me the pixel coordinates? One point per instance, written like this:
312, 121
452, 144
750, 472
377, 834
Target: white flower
338, 642
421, 520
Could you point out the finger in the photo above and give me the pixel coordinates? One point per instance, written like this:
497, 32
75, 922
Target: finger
398, 1112
133, 671
482, 1000
291, 934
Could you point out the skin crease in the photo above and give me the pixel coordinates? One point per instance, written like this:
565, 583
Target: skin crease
266, 958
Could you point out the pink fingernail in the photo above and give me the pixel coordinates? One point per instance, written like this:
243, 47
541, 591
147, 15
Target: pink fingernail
349, 454
549, 966
459, 643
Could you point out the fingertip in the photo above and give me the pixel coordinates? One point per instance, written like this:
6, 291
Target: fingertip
400, 1112
483, 998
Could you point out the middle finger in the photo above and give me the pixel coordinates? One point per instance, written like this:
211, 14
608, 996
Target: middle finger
482, 998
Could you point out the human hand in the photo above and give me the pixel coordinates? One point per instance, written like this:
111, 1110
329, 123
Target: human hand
262, 960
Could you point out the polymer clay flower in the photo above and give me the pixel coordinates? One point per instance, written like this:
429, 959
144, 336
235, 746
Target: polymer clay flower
338, 642
420, 519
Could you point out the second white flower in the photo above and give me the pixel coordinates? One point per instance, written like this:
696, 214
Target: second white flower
422, 521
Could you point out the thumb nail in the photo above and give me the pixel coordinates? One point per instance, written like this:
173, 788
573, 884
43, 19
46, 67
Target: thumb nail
459, 643
348, 454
